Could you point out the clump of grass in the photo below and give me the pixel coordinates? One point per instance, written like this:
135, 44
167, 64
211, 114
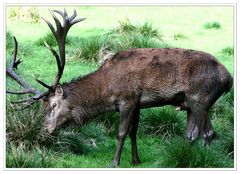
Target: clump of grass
179, 36
178, 153
136, 41
228, 51
23, 125
212, 25
146, 29
89, 48
162, 122
126, 26
23, 157
50, 40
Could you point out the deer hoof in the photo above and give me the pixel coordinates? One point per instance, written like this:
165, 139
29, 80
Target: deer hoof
136, 162
114, 164
193, 134
208, 137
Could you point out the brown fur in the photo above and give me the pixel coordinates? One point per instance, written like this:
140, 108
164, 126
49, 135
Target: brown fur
140, 78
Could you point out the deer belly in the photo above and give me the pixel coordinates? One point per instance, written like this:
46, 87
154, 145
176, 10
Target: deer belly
154, 99
151, 100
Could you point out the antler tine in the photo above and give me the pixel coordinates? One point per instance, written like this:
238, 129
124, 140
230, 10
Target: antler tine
20, 101
15, 53
60, 34
49, 25
55, 55
27, 89
73, 16
43, 84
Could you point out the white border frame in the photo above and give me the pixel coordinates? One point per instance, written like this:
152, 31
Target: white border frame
170, 3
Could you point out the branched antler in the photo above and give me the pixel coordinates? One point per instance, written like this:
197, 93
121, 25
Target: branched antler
10, 72
60, 34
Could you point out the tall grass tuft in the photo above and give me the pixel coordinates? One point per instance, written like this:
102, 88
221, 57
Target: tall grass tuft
24, 126
146, 29
228, 51
89, 48
212, 25
163, 122
23, 157
48, 38
178, 153
135, 41
126, 26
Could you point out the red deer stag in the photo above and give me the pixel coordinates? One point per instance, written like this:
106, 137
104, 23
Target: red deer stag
131, 80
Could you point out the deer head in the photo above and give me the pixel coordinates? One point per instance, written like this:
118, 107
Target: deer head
54, 99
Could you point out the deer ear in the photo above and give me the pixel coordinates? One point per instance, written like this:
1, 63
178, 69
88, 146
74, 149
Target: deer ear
59, 91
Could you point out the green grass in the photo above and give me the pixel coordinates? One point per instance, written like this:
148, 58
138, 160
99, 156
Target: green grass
161, 133
162, 122
212, 25
22, 157
179, 36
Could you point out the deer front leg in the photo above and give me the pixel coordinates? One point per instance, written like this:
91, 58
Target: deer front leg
126, 110
133, 135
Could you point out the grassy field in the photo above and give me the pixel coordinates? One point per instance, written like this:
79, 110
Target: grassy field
161, 133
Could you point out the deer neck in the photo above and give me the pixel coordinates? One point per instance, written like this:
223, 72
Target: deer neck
87, 98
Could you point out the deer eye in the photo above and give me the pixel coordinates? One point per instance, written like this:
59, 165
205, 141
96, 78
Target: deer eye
54, 105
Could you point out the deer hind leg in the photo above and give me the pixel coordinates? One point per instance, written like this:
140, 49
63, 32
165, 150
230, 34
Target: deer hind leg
192, 128
133, 135
126, 112
198, 122
209, 134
